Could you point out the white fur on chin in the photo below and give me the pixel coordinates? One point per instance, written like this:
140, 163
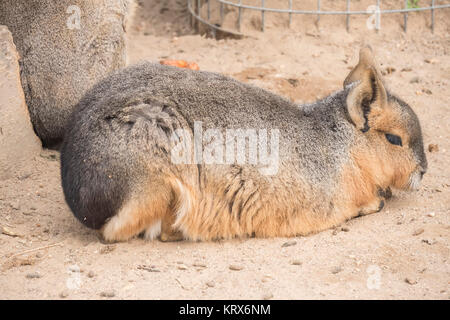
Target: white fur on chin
414, 181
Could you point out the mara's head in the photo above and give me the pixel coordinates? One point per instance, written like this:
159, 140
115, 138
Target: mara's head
386, 124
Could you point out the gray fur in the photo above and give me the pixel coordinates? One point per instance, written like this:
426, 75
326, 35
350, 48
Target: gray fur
58, 64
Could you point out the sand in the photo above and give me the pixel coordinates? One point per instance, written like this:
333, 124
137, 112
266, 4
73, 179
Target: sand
401, 252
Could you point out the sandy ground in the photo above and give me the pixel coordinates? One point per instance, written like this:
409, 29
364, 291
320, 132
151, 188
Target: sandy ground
401, 252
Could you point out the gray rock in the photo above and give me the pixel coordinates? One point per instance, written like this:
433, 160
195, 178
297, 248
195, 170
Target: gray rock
296, 263
415, 80
289, 244
267, 296
65, 47
410, 281
236, 267
33, 275
336, 270
108, 294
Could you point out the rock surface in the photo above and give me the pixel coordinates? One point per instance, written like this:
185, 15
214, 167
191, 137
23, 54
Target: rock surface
18, 142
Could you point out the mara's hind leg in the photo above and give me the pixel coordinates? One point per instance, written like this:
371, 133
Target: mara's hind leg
168, 232
142, 212
180, 205
164, 229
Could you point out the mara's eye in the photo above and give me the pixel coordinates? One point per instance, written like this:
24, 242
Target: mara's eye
392, 138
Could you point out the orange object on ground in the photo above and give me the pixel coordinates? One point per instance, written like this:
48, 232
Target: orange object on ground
180, 64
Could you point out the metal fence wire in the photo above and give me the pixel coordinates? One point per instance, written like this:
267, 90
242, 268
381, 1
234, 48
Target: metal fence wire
196, 8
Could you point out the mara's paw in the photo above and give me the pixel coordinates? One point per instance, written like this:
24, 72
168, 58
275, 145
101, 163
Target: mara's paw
102, 239
375, 206
168, 232
385, 193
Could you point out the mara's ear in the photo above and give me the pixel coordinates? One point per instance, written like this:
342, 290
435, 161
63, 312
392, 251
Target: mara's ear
366, 60
366, 97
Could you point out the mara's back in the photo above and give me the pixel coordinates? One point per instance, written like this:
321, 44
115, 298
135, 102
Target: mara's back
216, 101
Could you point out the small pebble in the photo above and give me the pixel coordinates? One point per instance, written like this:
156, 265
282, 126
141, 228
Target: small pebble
74, 269
199, 265
429, 241
24, 176
235, 267
296, 262
15, 205
267, 296
64, 294
336, 270
210, 284
91, 274
432, 147
289, 244
148, 268
418, 232
293, 82
128, 287
345, 229
431, 61
388, 70
33, 275
431, 214
414, 80
8, 232
107, 249
107, 294
410, 281
182, 267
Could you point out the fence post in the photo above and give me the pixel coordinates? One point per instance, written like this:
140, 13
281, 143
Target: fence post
239, 16
347, 24
432, 16
262, 15
378, 17
290, 13
221, 13
318, 12
209, 9
405, 17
